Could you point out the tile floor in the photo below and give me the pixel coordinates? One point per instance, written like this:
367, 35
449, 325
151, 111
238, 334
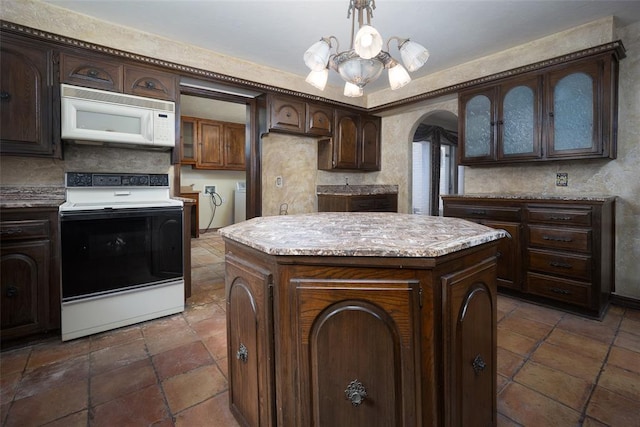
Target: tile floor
554, 368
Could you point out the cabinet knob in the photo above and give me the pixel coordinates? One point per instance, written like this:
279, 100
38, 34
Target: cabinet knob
355, 392
149, 84
5, 96
93, 73
12, 291
478, 364
242, 354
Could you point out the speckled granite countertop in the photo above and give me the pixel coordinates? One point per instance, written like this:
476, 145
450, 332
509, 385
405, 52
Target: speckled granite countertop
360, 234
356, 190
537, 196
31, 197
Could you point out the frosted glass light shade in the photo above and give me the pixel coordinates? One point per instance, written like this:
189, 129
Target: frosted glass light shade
317, 56
356, 70
398, 76
413, 55
352, 90
318, 78
368, 42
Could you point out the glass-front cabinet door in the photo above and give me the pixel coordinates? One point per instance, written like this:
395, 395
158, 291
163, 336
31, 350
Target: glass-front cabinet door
188, 140
477, 111
572, 111
518, 123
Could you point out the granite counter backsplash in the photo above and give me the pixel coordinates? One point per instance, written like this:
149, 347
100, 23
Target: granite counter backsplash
31, 197
356, 190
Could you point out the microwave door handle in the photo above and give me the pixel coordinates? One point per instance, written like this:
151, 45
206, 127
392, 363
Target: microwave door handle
150, 127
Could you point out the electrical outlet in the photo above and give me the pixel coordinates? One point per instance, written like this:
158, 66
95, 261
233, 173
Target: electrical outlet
562, 179
209, 189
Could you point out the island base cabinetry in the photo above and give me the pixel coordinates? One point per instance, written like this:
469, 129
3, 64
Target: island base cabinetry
362, 341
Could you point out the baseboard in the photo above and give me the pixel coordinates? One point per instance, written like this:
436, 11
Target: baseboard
626, 302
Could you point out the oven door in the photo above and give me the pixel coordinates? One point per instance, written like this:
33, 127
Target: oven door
112, 250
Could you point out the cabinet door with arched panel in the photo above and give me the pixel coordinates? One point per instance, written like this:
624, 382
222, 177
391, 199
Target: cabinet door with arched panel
573, 115
518, 122
477, 130
357, 352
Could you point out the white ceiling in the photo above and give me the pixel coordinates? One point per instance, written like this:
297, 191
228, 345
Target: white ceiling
276, 33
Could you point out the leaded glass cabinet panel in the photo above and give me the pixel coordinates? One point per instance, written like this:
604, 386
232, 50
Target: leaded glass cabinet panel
518, 123
478, 118
572, 111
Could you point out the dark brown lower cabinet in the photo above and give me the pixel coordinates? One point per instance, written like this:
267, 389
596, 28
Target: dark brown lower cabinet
560, 251
30, 283
357, 341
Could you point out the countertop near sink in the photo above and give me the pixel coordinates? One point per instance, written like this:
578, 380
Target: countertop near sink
537, 196
356, 190
31, 197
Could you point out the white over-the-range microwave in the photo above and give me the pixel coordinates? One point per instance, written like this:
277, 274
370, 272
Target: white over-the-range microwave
91, 116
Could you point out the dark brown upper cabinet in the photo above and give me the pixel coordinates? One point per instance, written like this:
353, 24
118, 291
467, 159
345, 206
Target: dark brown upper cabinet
567, 111
26, 99
113, 75
355, 145
293, 115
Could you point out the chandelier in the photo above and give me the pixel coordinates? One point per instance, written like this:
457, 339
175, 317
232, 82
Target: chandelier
365, 59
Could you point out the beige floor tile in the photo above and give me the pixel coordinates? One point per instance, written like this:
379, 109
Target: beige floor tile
588, 328
623, 358
181, 359
118, 356
193, 387
203, 413
515, 342
628, 341
578, 344
621, 381
526, 327
539, 313
119, 382
612, 409
630, 326
530, 408
557, 385
144, 407
566, 361
508, 362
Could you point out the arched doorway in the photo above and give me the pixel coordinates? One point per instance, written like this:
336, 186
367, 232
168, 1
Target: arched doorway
434, 162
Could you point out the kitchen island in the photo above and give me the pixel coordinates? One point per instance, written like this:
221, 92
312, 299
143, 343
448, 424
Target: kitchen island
361, 319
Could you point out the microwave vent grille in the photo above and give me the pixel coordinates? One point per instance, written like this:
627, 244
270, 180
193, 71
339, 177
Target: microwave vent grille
116, 98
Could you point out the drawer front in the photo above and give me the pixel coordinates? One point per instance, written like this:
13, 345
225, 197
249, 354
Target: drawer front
20, 230
564, 290
482, 212
560, 263
572, 239
575, 217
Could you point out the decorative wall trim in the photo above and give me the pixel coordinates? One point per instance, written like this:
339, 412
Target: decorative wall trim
615, 46
192, 71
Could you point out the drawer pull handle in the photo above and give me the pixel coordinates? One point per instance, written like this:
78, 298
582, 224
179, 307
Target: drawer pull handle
561, 218
242, 354
11, 231
478, 364
557, 239
560, 291
355, 392
560, 264
478, 212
